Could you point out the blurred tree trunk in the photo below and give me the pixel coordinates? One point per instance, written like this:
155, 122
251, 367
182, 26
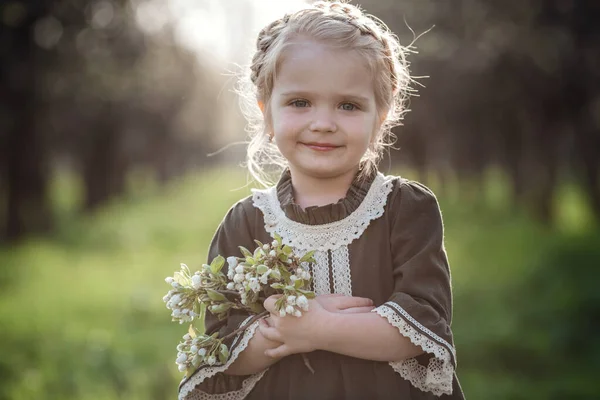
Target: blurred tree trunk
105, 167
27, 204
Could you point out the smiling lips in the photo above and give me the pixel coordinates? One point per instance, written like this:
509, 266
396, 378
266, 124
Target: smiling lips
321, 146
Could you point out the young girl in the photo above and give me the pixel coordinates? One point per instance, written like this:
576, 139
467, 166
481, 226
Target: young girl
330, 82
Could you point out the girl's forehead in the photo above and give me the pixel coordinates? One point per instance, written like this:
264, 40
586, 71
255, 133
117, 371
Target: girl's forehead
309, 65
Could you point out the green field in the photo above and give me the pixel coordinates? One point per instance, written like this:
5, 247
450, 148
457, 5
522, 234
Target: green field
82, 315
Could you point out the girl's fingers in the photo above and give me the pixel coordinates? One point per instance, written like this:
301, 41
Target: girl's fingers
346, 302
269, 303
356, 310
278, 352
269, 332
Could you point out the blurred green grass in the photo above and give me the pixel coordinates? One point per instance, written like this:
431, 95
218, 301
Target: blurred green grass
82, 314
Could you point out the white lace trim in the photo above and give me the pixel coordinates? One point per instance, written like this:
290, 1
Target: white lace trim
437, 376
342, 281
320, 272
329, 236
187, 391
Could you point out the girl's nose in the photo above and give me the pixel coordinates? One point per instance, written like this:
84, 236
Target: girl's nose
323, 121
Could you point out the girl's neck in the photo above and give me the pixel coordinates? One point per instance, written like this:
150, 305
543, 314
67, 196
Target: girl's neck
311, 191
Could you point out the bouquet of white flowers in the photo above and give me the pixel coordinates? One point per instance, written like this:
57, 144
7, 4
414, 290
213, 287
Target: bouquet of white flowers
271, 269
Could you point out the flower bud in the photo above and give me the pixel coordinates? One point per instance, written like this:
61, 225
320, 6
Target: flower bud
181, 358
202, 352
232, 262
196, 281
181, 368
169, 280
265, 247
272, 253
230, 286
211, 360
297, 313
291, 300
238, 278
289, 310
282, 313
293, 278
275, 243
194, 349
239, 269
302, 302
187, 336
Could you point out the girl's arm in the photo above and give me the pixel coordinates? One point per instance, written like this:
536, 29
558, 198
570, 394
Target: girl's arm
366, 336
363, 335
253, 359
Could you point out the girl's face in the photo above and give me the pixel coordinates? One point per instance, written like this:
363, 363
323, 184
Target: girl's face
323, 110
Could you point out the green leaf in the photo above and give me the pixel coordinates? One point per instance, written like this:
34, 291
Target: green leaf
192, 331
201, 328
215, 296
287, 250
276, 273
256, 308
220, 308
245, 251
277, 285
299, 284
217, 264
250, 260
283, 258
308, 257
261, 269
223, 354
258, 243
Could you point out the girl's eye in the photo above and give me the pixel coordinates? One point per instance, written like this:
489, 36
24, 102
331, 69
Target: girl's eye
348, 107
299, 103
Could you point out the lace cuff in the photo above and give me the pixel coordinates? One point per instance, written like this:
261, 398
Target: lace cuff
437, 376
189, 391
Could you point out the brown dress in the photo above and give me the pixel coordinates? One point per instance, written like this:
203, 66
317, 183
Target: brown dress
383, 241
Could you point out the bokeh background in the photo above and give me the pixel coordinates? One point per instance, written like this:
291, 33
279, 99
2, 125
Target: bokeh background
112, 114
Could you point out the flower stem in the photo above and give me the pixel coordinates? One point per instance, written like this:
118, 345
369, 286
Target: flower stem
246, 326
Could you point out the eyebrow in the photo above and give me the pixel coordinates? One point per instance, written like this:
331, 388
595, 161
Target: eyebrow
358, 99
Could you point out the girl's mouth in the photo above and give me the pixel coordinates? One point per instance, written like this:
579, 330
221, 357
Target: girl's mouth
321, 146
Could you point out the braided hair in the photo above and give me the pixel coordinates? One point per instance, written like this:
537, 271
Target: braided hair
334, 23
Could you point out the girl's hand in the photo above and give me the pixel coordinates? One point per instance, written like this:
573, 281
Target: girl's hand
339, 303
297, 335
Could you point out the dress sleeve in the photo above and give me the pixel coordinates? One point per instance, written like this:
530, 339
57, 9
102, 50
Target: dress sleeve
421, 305
209, 382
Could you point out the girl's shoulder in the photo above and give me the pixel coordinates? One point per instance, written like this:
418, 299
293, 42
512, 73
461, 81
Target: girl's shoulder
409, 198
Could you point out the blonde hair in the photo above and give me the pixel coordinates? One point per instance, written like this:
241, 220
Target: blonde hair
335, 23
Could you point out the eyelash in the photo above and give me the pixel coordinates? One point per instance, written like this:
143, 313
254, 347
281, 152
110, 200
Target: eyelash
295, 104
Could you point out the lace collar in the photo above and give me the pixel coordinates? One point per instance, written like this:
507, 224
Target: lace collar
326, 236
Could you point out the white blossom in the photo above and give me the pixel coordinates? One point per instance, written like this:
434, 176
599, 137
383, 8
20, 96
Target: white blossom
264, 279
181, 368
166, 298
289, 310
211, 360
302, 302
297, 313
232, 262
248, 276
265, 247
202, 352
238, 278
169, 280
254, 285
293, 278
282, 313
291, 300
194, 349
230, 286
275, 243
187, 336
272, 253
181, 358
306, 275
239, 269
196, 280
230, 273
